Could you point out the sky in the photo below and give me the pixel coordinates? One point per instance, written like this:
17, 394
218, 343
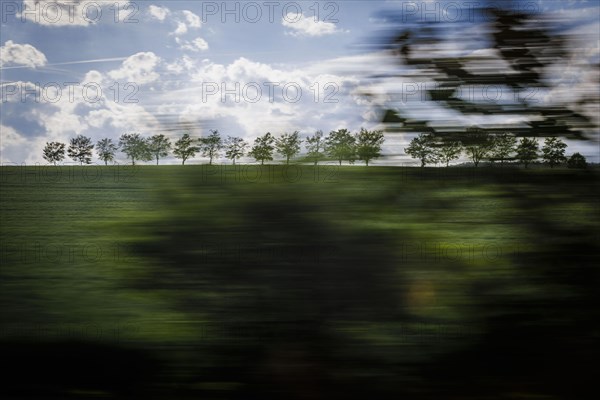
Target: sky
104, 68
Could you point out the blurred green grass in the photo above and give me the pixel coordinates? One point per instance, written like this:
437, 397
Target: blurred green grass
207, 255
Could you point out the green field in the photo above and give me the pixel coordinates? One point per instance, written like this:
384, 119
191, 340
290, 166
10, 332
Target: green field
302, 282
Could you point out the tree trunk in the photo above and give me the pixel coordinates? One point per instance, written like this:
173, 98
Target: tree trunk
367, 162
156, 160
106, 162
234, 161
287, 160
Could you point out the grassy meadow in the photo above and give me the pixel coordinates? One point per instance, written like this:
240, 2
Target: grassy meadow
222, 282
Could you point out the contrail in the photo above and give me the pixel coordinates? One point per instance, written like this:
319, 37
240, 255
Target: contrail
72, 62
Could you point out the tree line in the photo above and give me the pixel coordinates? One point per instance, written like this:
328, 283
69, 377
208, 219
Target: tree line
340, 145
480, 145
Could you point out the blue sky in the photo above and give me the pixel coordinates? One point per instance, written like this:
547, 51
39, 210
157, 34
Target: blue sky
104, 68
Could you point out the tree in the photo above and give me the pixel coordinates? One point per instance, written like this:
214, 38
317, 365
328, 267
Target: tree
211, 145
315, 145
527, 49
553, 151
527, 151
159, 146
477, 143
368, 145
422, 148
135, 147
340, 145
577, 161
503, 146
449, 150
235, 147
54, 152
184, 148
80, 149
106, 150
288, 145
263, 148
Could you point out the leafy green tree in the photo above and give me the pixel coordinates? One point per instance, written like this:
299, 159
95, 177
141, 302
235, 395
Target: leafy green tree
527, 49
527, 151
235, 147
135, 147
553, 151
315, 145
368, 145
106, 150
159, 146
341, 145
263, 148
503, 147
184, 148
288, 145
80, 149
448, 150
477, 143
54, 152
577, 161
211, 146
422, 148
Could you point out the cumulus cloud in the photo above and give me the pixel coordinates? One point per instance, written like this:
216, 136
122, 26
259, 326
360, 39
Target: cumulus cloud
300, 25
181, 29
138, 68
10, 137
158, 13
195, 45
192, 19
252, 98
21, 54
186, 21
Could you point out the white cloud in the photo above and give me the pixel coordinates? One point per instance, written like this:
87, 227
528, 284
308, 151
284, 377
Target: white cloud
195, 45
10, 137
21, 54
301, 25
181, 29
192, 19
137, 69
250, 113
185, 63
159, 13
